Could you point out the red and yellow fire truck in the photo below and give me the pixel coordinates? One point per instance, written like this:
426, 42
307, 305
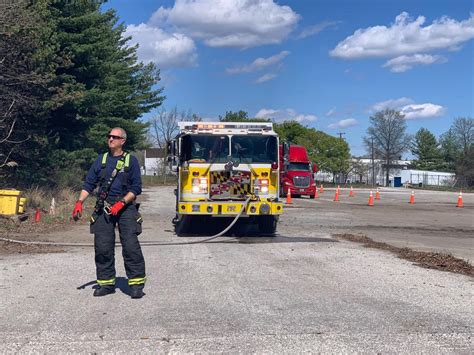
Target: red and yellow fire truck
226, 169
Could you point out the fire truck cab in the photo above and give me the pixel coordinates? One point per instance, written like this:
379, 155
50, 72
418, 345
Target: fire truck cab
224, 167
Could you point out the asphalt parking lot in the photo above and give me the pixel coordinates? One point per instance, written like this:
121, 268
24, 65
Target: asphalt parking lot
303, 290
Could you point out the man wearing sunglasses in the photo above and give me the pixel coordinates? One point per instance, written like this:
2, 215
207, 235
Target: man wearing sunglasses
117, 175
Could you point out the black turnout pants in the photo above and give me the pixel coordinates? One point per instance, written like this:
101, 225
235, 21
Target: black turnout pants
104, 241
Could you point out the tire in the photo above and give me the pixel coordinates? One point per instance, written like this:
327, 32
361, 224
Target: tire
311, 196
182, 225
296, 196
267, 224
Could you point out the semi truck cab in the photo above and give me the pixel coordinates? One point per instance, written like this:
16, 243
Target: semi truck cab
296, 171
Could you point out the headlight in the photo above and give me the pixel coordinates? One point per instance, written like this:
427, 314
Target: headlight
261, 186
199, 186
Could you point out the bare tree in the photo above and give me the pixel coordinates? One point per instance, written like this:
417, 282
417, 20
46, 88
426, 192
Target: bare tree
390, 140
463, 129
164, 127
358, 168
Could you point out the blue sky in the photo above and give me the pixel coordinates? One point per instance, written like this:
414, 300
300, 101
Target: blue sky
328, 64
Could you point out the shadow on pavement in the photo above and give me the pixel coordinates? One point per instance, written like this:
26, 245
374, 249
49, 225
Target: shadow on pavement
121, 283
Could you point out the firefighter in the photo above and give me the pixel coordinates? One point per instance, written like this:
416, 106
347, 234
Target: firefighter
117, 175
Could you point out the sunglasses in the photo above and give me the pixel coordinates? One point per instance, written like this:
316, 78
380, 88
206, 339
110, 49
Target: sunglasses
113, 137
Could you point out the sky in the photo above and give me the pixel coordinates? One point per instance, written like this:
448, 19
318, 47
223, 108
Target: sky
328, 64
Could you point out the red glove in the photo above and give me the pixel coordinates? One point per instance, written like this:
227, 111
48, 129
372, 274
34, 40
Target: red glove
117, 206
77, 212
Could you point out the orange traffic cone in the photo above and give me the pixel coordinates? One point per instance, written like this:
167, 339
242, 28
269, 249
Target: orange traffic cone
336, 196
338, 189
377, 194
412, 198
316, 193
38, 215
351, 192
321, 189
371, 199
460, 204
289, 201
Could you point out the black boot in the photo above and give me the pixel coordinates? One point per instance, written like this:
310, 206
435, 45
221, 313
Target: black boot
104, 290
136, 291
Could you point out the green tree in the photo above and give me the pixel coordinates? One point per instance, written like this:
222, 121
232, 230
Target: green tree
70, 64
449, 150
387, 131
426, 149
240, 116
29, 55
463, 129
330, 153
290, 130
111, 88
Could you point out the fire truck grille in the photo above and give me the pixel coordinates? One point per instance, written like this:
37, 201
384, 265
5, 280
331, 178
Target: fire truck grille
230, 185
301, 181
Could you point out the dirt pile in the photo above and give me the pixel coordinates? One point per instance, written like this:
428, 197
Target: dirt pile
438, 261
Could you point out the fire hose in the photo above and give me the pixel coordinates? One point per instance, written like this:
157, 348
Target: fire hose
143, 243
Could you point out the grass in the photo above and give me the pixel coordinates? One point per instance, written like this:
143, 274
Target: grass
38, 198
159, 180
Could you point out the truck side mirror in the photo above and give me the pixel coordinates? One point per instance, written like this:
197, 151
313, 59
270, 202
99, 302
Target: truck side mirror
174, 168
171, 157
286, 150
315, 168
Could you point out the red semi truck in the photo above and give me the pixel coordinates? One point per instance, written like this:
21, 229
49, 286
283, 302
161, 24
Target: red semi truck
296, 171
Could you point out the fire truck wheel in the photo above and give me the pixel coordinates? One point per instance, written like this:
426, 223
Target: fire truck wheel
311, 196
267, 224
183, 225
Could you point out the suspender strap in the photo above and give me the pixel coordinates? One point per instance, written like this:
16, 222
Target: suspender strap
105, 185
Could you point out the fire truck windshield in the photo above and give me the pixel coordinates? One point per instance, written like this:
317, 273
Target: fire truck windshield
204, 148
254, 149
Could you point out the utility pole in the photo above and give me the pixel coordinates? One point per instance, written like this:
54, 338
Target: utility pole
341, 134
373, 164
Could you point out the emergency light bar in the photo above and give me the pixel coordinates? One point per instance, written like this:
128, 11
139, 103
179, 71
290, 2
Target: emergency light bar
213, 126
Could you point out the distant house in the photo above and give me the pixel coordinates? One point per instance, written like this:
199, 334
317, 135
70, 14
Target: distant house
155, 161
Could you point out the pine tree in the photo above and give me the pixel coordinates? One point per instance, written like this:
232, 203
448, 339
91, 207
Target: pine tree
28, 58
426, 149
105, 85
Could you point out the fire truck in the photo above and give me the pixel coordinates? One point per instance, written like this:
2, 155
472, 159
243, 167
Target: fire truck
226, 169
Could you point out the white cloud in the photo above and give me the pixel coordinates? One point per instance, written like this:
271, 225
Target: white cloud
265, 78
404, 62
258, 64
406, 36
409, 109
313, 30
349, 122
229, 23
413, 112
166, 49
331, 112
393, 104
285, 115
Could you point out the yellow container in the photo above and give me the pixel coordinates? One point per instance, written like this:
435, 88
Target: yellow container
21, 205
9, 202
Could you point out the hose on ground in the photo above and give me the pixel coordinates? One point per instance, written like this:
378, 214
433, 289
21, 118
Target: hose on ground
144, 243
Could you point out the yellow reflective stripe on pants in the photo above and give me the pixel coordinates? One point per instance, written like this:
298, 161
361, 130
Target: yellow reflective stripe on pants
106, 282
137, 281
